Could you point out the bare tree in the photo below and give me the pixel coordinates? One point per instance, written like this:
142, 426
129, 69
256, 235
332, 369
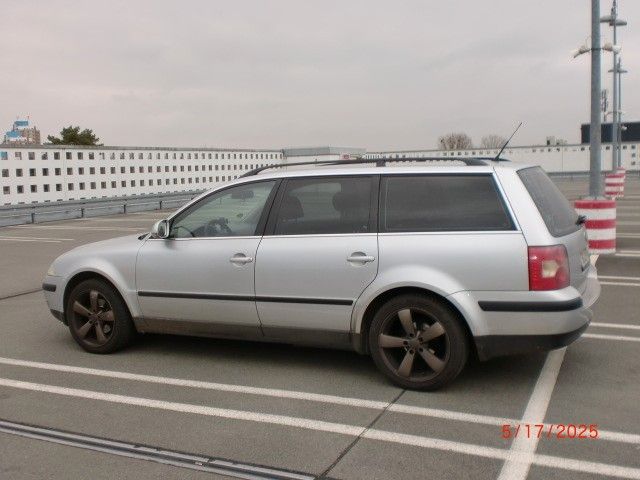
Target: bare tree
492, 141
455, 141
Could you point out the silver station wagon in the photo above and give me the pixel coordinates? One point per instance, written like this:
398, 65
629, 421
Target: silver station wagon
419, 265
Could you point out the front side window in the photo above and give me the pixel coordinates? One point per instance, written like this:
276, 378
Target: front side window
440, 203
231, 213
325, 206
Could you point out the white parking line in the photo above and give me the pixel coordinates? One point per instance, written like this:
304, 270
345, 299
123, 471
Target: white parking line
9, 239
512, 457
522, 447
621, 284
77, 227
37, 238
269, 392
614, 277
188, 408
620, 338
297, 395
615, 325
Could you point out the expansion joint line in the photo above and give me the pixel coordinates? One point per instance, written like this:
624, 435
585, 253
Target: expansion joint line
348, 448
14, 295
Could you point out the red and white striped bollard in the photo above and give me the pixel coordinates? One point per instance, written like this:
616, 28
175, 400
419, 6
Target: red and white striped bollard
614, 185
600, 224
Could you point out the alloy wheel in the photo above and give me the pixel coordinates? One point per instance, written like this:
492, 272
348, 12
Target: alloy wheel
413, 344
93, 318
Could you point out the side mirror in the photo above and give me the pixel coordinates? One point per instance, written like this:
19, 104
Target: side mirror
160, 229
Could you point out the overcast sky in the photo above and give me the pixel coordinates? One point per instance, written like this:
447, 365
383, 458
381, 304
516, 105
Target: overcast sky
267, 73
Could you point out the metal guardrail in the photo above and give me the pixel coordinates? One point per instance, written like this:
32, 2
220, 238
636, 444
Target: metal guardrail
47, 212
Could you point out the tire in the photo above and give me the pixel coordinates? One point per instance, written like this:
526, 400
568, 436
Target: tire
92, 305
418, 342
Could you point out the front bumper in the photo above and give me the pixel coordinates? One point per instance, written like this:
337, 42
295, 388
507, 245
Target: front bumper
53, 290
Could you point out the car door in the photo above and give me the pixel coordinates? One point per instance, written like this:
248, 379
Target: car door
319, 253
201, 279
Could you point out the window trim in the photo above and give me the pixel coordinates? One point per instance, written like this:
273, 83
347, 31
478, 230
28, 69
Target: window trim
373, 206
260, 227
515, 228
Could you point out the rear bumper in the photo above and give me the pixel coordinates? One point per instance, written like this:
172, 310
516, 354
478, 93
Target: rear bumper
509, 323
500, 345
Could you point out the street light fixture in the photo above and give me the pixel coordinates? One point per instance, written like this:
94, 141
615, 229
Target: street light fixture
607, 46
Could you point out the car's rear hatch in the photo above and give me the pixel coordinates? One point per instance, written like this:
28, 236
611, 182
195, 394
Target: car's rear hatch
561, 220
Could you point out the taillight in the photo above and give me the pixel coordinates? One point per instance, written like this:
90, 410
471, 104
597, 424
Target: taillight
548, 268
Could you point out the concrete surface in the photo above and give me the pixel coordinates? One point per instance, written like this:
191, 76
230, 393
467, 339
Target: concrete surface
452, 434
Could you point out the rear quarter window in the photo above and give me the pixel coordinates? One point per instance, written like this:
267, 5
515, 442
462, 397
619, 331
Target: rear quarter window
441, 202
558, 214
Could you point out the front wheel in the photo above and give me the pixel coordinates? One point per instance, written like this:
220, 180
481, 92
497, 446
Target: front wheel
98, 318
418, 342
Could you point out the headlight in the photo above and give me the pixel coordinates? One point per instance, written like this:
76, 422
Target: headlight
51, 272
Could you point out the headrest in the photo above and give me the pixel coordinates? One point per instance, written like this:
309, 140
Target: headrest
346, 201
291, 208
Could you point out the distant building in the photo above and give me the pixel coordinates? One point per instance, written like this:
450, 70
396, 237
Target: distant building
315, 154
630, 132
553, 141
22, 134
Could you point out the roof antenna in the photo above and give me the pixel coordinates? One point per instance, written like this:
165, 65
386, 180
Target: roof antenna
497, 158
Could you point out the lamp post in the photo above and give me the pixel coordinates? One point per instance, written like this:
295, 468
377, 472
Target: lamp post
595, 134
621, 127
615, 22
595, 160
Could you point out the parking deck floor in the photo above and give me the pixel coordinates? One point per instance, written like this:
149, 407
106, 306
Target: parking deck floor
306, 412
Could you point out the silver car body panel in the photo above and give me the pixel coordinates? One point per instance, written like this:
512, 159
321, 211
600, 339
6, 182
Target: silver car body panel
113, 259
194, 280
315, 278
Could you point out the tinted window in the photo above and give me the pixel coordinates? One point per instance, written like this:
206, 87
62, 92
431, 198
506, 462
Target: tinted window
556, 211
434, 203
233, 212
327, 205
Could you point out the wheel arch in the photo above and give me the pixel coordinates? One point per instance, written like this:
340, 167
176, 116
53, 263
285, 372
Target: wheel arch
80, 277
361, 338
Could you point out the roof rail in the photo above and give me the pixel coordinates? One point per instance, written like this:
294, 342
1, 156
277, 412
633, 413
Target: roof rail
381, 162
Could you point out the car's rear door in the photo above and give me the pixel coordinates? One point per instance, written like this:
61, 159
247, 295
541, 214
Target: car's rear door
319, 253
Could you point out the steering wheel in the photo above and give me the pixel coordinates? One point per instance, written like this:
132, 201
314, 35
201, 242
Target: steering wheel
184, 228
217, 226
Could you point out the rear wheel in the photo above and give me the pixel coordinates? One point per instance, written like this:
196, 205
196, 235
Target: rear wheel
98, 318
418, 342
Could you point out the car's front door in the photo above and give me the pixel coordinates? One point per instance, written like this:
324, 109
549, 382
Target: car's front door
201, 279
319, 253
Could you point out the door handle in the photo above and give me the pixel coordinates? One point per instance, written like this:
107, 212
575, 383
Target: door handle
240, 259
360, 257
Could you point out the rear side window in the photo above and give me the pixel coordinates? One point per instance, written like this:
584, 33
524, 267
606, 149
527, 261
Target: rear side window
556, 211
312, 206
436, 203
